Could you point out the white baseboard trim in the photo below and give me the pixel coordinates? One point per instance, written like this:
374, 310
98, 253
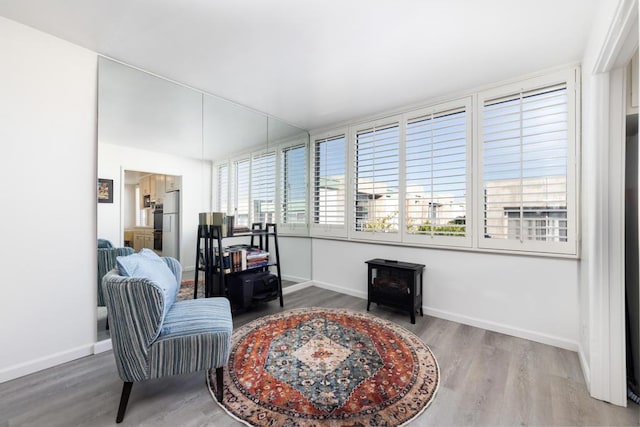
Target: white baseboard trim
295, 278
102, 346
26, 368
585, 367
296, 287
341, 289
504, 329
472, 321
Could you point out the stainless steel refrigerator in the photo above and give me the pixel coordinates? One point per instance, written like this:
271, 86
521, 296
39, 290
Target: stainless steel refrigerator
171, 225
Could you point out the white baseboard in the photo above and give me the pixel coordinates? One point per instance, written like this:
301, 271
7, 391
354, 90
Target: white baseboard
585, 367
504, 329
36, 365
102, 346
26, 368
295, 278
341, 289
296, 287
472, 321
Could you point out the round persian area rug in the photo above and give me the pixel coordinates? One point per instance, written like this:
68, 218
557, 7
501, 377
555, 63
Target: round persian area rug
327, 367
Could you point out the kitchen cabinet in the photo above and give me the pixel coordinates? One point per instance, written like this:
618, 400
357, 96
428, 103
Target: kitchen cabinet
172, 183
148, 240
145, 190
138, 241
128, 238
142, 238
152, 187
145, 185
158, 189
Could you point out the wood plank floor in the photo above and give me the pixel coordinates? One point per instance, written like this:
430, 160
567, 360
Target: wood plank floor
487, 378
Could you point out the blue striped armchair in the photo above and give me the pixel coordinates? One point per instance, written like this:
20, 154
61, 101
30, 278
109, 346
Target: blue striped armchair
153, 336
106, 261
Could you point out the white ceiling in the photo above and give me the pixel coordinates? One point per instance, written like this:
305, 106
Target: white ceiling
314, 63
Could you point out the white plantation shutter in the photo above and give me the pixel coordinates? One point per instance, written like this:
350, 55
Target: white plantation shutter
436, 174
293, 185
526, 169
222, 196
263, 188
494, 171
241, 193
377, 169
329, 183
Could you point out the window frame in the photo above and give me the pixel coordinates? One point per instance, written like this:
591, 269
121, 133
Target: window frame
288, 228
249, 156
465, 241
474, 240
233, 187
328, 230
252, 194
569, 78
377, 236
217, 189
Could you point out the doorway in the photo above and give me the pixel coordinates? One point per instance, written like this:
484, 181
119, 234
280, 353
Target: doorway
632, 293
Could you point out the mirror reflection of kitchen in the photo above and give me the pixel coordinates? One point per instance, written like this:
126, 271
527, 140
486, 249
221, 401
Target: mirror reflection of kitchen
151, 204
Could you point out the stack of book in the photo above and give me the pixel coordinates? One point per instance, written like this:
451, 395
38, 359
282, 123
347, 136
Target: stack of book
257, 257
242, 257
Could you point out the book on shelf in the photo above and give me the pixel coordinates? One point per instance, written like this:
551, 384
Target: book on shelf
237, 258
256, 264
226, 261
240, 231
257, 254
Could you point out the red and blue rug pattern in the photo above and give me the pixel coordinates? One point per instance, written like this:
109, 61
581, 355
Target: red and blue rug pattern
320, 366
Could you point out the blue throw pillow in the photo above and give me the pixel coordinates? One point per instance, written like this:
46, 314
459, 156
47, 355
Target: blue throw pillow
148, 265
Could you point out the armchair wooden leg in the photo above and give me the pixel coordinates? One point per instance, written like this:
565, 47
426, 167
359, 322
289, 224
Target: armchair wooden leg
219, 384
124, 399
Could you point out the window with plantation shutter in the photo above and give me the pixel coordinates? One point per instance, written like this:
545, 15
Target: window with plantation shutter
263, 188
436, 176
527, 170
329, 183
293, 185
377, 179
242, 170
222, 194
495, 171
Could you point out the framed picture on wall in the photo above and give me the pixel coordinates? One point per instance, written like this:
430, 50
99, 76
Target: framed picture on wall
105, 190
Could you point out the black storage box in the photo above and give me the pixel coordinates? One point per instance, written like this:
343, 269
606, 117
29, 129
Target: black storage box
245, 288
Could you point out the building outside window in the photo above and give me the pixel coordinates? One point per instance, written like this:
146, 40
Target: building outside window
436, 174
526, 167
293, 189
377, 179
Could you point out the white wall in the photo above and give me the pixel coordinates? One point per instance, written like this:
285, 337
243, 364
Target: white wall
48, 131
195, 193
295, 253
530, 297
48, 164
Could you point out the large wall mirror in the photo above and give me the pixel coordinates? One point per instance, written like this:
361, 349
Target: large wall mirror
162, 147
